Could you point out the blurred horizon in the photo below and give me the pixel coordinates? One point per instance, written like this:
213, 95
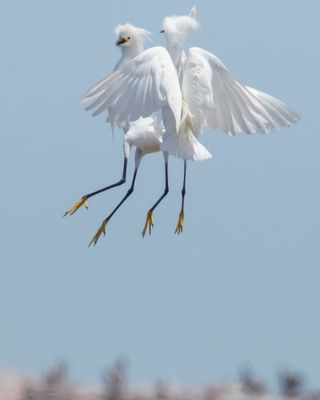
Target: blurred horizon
55, 384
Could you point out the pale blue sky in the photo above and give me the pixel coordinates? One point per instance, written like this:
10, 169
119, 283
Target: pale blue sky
241, 285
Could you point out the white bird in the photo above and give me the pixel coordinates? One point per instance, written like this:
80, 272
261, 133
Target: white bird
144, 92
192, 92
215, 98
144, 133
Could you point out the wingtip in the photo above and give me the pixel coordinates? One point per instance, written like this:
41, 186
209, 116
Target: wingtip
298, 116
84, 98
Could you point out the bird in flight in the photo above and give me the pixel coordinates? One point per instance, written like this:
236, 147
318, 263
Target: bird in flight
168, 97
130, 39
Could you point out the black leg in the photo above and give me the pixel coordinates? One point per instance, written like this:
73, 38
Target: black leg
149, 221
129, 193
84, 199
121, 182
179, 228
102, 228
166, 190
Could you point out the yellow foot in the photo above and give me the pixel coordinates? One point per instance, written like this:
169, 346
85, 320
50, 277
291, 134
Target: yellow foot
179, 228
73, 209
100, 231
149, 224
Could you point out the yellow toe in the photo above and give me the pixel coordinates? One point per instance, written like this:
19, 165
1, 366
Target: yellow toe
82, 202
100, 231
148, 225
179, 228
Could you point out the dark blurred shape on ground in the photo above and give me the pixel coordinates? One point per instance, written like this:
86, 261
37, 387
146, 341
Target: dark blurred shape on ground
115, 381
250, 383
291, 383
53, 386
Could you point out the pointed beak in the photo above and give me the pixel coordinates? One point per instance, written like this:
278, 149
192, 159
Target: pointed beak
162, 31
120, 41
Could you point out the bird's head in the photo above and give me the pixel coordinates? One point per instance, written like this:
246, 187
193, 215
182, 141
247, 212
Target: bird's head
178, 29
129, 36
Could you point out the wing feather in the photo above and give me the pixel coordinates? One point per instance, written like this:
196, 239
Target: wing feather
219, 101
141, 87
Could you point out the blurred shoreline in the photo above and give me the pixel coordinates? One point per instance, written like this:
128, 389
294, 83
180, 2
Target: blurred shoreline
55, 385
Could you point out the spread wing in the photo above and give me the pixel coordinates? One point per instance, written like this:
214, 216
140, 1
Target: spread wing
142, 86
219, 101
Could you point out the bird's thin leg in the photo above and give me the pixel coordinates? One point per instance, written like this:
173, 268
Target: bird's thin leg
102, 229
84, 198
179, 228
149, 220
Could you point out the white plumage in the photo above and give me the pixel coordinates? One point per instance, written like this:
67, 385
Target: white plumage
219, 101
212, 96
164, 98
215, 98
146, 84
130, 40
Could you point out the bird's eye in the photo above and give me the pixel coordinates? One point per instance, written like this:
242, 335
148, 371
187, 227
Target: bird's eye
129, 37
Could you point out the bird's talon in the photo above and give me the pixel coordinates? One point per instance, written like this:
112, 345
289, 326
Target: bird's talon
82, 202
179, 228
100, 231
149, 224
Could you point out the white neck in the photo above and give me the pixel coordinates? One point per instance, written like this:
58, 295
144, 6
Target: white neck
178, 57
129, 52
133, 50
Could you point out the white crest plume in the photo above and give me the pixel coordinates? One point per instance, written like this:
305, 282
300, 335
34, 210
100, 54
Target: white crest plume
127, 29
178, 29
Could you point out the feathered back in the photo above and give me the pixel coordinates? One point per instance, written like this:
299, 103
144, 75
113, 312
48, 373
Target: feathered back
178, 29
138, 34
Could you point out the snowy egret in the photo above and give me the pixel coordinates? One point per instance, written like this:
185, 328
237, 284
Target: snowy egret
130, 40
215, 98
132, 98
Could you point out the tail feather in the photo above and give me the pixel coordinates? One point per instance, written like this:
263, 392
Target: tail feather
185, 144
187, 150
